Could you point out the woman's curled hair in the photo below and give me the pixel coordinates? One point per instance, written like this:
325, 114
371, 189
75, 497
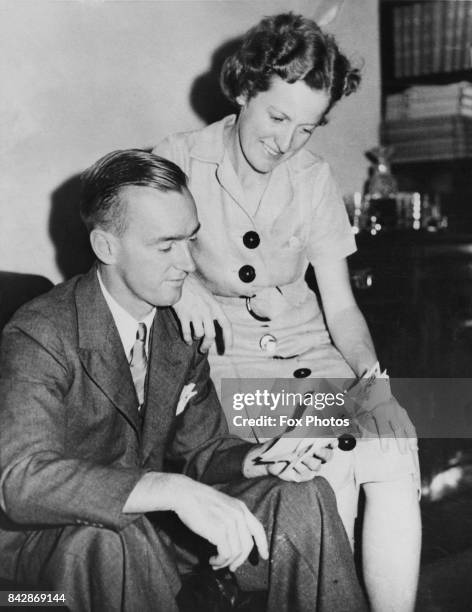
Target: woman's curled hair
293, 48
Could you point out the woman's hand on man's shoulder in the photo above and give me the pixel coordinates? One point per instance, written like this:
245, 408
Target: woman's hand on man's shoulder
199, 315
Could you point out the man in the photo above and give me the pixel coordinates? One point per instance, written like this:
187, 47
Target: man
108, 415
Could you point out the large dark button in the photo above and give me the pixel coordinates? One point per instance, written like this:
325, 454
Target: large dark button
251, 240
346, 442
302, 373
247, 274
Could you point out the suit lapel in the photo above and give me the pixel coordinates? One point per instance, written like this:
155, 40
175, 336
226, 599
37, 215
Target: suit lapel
100, 348
165, 371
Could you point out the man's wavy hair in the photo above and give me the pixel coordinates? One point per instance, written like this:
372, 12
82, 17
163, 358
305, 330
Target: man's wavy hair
293, 48
101, 205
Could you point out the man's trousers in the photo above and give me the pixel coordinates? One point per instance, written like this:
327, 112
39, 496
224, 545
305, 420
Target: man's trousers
138, 569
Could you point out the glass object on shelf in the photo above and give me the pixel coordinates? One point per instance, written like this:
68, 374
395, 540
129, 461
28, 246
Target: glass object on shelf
417, 211
381, 190
381, 182
362, 279
408, 211
357, 211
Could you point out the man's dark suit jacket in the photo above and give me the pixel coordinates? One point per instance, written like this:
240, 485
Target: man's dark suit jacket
72, 444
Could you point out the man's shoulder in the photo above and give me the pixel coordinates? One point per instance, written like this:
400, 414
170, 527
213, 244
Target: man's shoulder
51, 312
168, 337
169, 327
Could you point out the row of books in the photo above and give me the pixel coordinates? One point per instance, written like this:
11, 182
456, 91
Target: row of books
431, 37
441, 137
431, 150
430, 101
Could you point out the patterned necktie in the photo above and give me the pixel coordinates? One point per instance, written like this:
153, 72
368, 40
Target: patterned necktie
138, 362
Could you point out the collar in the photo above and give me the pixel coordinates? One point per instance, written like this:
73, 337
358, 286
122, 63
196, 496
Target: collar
125, 323
209, 143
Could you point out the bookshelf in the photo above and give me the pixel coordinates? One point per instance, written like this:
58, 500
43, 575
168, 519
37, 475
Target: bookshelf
426, 63
427, 41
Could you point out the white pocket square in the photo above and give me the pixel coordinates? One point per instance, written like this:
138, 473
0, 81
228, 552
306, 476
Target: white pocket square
187, 392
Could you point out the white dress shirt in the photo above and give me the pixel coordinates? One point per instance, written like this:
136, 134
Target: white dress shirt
126, 324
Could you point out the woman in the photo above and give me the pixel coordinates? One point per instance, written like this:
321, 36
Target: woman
267, 208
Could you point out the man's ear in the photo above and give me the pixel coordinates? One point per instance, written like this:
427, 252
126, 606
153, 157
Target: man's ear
104, 245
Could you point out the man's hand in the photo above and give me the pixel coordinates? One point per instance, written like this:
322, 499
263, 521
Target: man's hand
198, 308
389, 420
301, 469
222, 520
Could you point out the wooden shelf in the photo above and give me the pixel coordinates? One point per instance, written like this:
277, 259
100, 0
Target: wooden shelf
391, 85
